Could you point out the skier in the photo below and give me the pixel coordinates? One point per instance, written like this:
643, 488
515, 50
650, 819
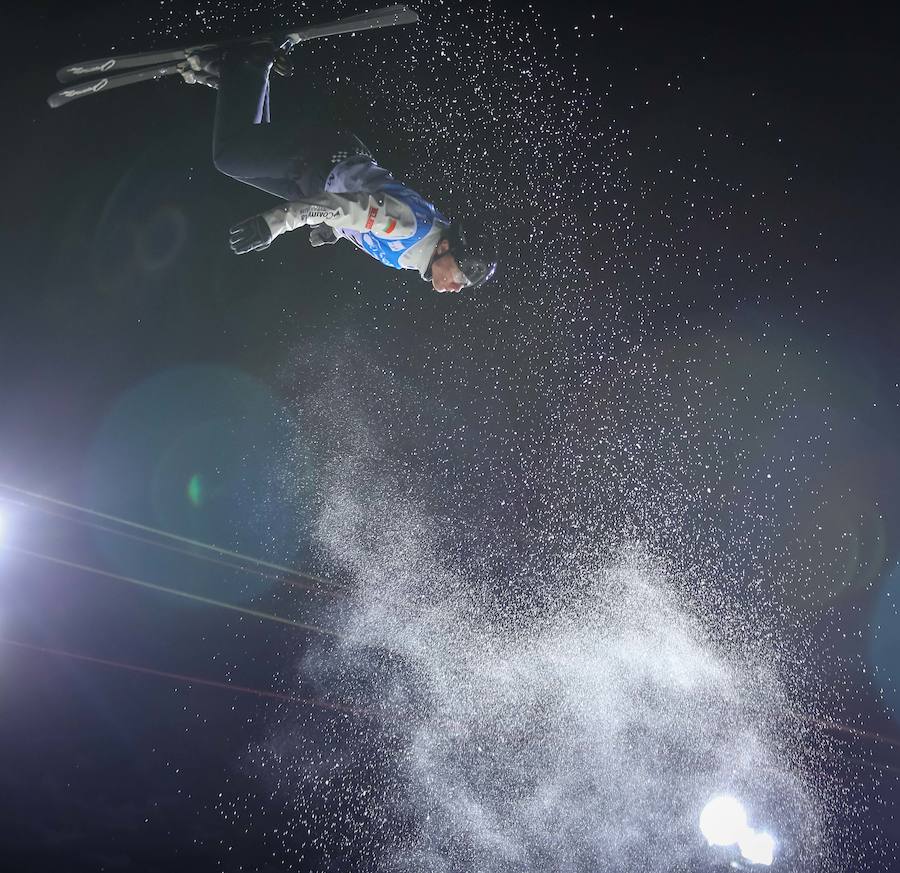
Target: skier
328, 179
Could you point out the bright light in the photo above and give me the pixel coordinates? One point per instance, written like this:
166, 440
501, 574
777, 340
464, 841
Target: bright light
723, 821
757, 847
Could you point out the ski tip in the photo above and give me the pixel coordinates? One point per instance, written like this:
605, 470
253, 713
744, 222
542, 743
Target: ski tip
82, 89
74, 72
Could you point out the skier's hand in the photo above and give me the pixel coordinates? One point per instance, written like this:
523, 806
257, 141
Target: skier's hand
250, 235
322, 235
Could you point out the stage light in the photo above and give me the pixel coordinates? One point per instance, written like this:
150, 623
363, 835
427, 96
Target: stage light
757, 847
723, 821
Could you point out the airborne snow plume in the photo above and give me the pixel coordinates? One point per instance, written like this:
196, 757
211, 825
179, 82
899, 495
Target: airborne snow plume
587, 740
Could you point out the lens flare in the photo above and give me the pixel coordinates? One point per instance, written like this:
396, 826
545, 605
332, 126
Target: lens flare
195, 490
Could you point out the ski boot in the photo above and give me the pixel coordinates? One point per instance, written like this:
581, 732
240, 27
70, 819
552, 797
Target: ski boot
205, 67
202, 68
276, 58
281, 64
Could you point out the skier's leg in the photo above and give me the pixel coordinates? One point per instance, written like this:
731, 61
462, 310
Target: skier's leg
290, 158
245, 146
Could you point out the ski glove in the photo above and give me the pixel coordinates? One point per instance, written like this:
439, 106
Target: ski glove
250, 235
322, 235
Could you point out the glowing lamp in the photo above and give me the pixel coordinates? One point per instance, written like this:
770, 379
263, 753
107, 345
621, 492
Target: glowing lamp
723, 821
757, 847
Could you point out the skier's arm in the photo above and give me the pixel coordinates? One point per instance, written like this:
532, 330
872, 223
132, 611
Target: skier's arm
379, 214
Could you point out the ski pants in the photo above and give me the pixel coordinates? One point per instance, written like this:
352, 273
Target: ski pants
291, 158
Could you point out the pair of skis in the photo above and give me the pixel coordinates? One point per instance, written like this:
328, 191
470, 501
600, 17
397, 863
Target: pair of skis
90, 77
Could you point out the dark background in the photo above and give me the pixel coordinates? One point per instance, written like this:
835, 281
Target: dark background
116, 272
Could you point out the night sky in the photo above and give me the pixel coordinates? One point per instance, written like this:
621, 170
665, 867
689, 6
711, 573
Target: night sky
616, 532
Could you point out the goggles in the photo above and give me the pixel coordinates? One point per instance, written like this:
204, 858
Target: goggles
476, 271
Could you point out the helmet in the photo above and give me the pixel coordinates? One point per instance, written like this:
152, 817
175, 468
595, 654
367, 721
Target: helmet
472, 251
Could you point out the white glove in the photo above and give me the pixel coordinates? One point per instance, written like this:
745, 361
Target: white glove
250, 235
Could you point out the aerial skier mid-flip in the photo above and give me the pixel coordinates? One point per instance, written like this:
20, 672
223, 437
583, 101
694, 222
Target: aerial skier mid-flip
327, 177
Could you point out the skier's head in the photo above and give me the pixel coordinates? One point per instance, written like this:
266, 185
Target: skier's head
459, 261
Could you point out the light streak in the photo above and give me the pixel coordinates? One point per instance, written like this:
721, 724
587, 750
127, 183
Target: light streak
191, 680
280, 568
166, 590
300, 580
894, 742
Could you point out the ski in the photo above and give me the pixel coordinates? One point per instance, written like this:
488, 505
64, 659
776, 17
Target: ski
85, 89
286, 38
